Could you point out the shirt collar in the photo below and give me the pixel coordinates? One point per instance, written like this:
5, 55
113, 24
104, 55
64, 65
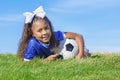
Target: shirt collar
45, 45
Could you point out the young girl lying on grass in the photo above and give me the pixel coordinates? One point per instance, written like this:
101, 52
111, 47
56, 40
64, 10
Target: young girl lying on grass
39, 39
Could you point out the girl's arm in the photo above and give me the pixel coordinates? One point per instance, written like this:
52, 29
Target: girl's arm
80, 41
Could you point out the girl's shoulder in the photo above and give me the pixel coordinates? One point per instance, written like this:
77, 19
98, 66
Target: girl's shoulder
33, 41
59, 35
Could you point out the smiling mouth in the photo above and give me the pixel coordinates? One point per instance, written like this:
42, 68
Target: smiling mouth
45, 37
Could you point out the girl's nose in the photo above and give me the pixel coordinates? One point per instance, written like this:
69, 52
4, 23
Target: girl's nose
44, 32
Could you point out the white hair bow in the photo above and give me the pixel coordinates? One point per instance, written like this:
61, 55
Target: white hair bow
38, 12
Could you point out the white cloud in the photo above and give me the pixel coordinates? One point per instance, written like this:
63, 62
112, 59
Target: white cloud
95, 3
82, 5
97, 48
15, 18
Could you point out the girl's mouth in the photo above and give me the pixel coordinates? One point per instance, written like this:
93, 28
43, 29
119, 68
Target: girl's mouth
46, 37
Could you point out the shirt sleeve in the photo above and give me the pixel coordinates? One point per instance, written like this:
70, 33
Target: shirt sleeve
59, 35
29, 52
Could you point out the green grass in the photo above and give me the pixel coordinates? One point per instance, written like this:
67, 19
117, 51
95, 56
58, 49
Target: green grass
97, 67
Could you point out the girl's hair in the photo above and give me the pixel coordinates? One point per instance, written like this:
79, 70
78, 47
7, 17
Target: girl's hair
27, 33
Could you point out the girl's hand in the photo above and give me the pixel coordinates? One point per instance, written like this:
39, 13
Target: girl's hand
52, 57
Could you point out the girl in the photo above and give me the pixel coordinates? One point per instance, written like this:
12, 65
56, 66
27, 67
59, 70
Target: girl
38, 38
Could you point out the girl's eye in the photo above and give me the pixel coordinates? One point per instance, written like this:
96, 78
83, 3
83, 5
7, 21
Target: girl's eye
47, 27
39, 30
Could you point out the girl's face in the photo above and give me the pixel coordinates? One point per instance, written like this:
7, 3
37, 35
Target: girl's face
41, 31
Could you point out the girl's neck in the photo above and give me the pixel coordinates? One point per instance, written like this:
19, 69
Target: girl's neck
45, 44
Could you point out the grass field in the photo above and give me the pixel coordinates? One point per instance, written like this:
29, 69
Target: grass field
97, 67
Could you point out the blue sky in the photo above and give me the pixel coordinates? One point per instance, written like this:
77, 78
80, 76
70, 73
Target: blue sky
97, 20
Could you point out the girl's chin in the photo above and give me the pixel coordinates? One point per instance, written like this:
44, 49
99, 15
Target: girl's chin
46, 42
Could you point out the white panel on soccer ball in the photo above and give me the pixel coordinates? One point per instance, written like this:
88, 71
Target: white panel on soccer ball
68, 48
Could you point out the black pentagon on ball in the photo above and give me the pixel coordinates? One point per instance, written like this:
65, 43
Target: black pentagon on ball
69, 47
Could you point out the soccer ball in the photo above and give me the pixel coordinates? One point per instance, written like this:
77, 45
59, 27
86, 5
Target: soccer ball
68, 48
